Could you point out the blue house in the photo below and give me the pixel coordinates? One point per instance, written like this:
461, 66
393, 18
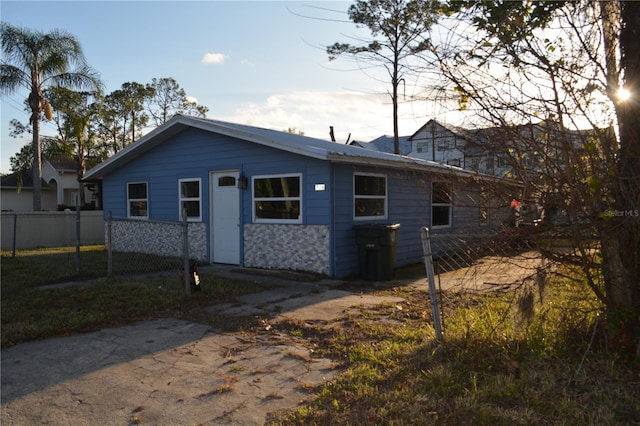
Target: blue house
262, 198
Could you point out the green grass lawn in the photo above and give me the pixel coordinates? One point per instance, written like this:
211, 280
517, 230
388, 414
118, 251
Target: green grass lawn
30, 268
30, 312
525, 357
534, 356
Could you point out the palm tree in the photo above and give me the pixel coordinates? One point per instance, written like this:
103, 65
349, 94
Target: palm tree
35, 60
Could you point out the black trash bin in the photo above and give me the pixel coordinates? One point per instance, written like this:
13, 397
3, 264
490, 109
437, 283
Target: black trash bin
377, 250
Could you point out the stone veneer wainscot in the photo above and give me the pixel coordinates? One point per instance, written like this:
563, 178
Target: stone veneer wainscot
291, 247
155, 237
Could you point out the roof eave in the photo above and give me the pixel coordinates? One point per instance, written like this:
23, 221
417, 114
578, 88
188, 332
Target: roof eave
442, 169
178, 124
396, 164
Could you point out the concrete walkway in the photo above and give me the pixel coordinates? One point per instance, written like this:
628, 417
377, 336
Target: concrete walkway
174, 372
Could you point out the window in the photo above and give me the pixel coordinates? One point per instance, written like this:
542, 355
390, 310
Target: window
443, 145
227, 181
490, 166
473, 163
190, 199
137, 202
503, 161
277, 199
440, 204
422, 147
369, 196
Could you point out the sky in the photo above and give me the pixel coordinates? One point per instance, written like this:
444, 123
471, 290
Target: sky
260, 63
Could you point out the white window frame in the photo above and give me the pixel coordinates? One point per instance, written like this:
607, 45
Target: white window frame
449, 205
130, 200
297, 199
371, 197
182, 199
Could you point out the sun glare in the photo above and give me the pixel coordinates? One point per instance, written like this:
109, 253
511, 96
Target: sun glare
623, 94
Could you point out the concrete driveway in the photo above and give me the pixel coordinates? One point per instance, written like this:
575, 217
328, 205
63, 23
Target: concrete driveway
174, 372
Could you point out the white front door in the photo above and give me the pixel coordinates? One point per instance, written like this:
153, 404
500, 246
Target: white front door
225, 217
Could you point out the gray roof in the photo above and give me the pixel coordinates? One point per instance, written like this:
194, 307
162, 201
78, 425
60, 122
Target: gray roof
289, 142
385, 144
11, 181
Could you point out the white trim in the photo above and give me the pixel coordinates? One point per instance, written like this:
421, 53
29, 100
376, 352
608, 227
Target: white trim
217, 239
371, 197
198, 199
129, 200
254, 199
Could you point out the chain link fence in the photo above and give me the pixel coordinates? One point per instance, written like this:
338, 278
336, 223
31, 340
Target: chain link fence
477, 263
136, 247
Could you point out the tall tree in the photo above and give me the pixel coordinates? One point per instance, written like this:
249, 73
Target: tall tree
73, 119
129, 100
120, 116
106, 124
168, 98
400, 31
35, 60
565, 62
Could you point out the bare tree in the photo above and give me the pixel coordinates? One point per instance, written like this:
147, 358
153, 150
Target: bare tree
545, 76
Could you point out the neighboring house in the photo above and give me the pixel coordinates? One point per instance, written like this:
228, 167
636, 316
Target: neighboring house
486, 150
385, 144
535, 154
269, 199
446, 144
17, 193
59, 187
440, 143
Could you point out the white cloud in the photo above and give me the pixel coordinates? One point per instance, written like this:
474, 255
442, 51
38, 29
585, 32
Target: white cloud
213, 58
191, 100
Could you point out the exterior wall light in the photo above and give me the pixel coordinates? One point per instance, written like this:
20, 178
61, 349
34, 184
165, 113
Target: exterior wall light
243, 181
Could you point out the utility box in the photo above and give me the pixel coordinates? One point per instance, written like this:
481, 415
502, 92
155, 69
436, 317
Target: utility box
377, 250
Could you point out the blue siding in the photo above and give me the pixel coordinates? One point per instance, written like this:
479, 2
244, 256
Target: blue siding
408, 205
193, 154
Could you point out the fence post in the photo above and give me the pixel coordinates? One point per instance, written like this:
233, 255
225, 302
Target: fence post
109, 245
15, 232
433, 295
77, 236
185, 253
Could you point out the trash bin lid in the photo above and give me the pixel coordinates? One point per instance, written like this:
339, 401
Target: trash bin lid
389, 226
